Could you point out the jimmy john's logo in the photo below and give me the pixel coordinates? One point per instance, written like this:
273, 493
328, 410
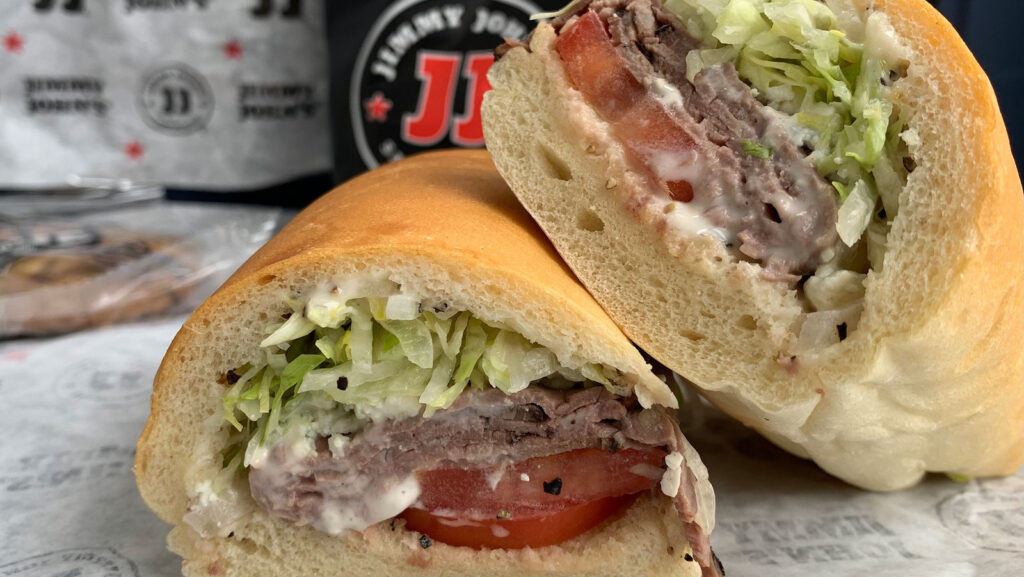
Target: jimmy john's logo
175, 99
108, 386
90, 562
989, 514
421, 74
64, 470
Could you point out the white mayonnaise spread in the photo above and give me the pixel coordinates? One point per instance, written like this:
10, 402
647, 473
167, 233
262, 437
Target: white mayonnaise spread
379, 504
499, 531
204, 493
673, 476
880, 40
393, 408
495, 476
687, 218
447, 518
337, 444
675, 164
664, 92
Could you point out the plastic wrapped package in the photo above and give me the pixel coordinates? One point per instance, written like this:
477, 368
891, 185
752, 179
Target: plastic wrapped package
65, 273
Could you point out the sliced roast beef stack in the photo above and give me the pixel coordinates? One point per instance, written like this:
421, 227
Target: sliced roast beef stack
484, 429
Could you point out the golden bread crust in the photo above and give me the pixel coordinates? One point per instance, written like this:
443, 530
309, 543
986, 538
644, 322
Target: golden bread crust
444, 224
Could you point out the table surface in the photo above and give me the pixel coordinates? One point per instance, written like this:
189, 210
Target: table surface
76, 404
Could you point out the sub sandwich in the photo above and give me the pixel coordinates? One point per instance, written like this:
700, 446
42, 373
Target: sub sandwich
408, 381
808, 208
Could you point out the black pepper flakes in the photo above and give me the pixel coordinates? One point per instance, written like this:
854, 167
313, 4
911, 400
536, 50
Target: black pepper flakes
613, 446
342, 383
688, 557
232, 377
425, 542
393, 524
841, 329
554, 486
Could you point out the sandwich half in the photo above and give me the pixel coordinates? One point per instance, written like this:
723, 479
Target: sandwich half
807, 208
408, 381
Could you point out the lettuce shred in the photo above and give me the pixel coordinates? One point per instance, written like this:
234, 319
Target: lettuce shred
829, 76
348, 357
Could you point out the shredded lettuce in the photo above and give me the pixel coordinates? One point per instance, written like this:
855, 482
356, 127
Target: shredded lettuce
556, 13
855, 214
757, 149
372, 358
828, 75
295, 327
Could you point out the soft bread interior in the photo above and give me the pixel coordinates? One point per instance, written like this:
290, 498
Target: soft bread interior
442, 225
646, 540
930, 380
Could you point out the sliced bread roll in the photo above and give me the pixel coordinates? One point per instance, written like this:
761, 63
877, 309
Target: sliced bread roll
926, 376
443, 232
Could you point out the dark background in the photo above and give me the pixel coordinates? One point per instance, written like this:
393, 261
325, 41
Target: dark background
994, 31
991, 28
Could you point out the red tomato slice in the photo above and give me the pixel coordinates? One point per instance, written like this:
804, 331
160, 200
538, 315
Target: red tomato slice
533, 503
516, 533
540, 486
596, 68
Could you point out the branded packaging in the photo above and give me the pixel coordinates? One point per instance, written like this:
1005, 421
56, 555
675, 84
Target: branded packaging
237, 99
202, 95
409, 75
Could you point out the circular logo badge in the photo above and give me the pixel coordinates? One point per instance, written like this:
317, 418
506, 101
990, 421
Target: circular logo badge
123, 385
77, 562
176, 100
990, 514
421, 74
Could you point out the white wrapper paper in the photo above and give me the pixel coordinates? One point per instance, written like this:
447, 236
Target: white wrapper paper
202, 94
76, 404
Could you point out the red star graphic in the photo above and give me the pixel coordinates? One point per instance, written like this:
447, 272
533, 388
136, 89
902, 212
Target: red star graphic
377, 108
14, 42
233, 50
16, 356
134, 150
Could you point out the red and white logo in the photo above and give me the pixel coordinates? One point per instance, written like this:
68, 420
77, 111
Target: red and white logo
421, 74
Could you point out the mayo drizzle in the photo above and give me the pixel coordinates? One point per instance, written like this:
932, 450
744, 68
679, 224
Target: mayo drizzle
378, 504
